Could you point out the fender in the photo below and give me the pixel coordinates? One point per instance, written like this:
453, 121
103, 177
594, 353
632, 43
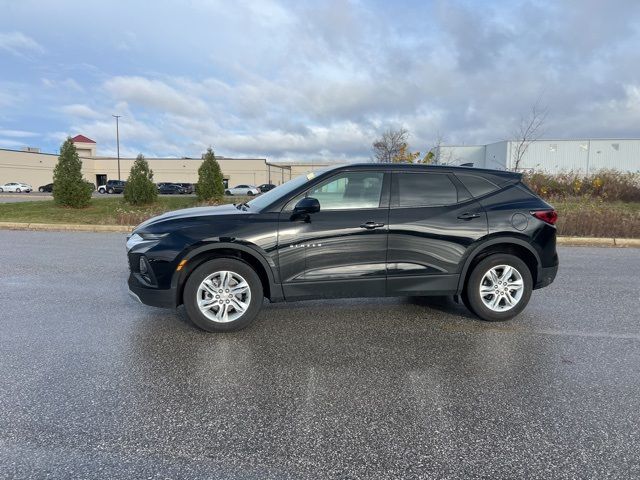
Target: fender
487, 242
273, 277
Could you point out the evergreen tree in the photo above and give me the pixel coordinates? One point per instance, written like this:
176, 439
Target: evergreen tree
69, 188
140, 189
210, 183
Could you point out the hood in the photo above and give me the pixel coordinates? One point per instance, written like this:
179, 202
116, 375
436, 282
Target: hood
186, 217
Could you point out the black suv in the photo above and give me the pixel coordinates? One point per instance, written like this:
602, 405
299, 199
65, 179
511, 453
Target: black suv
352, 231
112, 186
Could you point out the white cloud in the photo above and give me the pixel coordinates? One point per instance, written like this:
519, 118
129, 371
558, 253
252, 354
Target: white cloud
17, 133
80, 111
18, 43
154, 95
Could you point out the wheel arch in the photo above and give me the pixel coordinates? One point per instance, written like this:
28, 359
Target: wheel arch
196, 257
511, 245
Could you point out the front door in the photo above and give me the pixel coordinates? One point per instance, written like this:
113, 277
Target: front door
341, 250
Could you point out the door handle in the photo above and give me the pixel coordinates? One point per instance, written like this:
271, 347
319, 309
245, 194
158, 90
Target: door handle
371, 225
468, 216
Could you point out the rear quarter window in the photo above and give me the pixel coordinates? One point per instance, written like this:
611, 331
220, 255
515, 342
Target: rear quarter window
424, 189
477, 186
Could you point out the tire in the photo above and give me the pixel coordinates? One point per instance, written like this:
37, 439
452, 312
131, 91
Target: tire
101, 190
250, 194
484, 306
1, 190
41, 190
195, 291
110, 191
18, 190
227, 192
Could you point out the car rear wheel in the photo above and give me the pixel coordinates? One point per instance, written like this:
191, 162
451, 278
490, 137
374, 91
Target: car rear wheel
227, 192
1, 190
110, 190
498, 288
18, 190
41, 190
250, 193
223, 295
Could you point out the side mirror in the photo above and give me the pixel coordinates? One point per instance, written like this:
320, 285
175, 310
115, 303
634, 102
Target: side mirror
307, 205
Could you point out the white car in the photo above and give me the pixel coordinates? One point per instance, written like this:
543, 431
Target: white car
16, 187
250, 190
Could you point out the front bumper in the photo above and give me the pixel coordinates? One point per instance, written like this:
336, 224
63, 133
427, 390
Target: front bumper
154, 297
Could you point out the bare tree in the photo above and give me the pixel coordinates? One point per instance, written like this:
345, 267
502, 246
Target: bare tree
390, 145
529, 130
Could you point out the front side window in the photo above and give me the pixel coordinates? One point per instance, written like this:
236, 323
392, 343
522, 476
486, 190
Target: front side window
348, 190
424, 189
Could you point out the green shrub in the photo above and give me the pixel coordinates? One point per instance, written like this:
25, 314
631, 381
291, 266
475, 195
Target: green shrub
210, 184
69, 188
140, 189
606, 185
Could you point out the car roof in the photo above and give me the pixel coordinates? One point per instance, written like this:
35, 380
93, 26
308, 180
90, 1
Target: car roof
423, 167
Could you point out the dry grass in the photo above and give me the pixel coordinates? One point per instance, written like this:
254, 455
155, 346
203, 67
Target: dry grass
580, 217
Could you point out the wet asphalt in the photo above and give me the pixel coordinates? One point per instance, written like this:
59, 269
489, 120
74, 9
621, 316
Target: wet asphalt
95, 385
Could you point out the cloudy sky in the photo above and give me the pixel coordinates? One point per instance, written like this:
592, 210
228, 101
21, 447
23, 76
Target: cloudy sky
298, 80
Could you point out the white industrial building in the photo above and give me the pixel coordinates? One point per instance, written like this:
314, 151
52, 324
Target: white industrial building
552, 156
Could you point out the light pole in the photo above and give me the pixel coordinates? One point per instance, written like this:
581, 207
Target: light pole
117, 117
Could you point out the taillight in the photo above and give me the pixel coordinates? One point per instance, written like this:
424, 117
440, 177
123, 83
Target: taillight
548, 216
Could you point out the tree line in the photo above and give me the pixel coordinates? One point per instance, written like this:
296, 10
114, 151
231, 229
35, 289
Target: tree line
71, 190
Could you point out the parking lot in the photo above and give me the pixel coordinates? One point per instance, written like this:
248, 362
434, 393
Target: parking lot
94, 384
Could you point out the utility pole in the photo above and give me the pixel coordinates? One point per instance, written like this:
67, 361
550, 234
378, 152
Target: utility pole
117, 117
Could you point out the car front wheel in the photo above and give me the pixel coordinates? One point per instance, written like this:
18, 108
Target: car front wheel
41, 190
223, 295
498, 288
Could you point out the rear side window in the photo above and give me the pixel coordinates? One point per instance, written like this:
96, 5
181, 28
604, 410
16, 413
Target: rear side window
477, 186
424, 189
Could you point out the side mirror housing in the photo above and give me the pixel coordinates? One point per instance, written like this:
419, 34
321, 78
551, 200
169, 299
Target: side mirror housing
307, 205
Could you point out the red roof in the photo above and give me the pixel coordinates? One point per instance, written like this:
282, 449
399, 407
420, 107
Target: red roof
81, 139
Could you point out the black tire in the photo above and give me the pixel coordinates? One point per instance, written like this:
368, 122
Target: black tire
250, 194
227, 192
1, 190
222, 264
18, 190
471, 295
41, 190
110, 191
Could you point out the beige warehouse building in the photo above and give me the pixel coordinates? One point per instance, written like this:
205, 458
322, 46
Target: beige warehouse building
36, 168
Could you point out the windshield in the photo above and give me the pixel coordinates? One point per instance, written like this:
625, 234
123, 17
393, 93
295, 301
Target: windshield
271, 196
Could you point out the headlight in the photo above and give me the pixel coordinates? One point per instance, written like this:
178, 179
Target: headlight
138, 238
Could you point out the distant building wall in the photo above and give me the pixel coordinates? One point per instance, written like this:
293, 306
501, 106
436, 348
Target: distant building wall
553, 156
37, 169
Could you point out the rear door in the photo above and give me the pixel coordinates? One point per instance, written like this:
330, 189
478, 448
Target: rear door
432, 222
339, 251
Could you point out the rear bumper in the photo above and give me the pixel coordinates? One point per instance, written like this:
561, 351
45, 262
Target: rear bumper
546, 276
153, 297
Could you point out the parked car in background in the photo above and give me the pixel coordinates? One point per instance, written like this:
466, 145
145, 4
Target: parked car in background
188, 187
112, 186
16, 187
48, 188
265, 187
243, 190
361, 230
170, 189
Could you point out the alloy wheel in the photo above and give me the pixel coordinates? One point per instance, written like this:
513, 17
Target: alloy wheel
501, 288
224, 296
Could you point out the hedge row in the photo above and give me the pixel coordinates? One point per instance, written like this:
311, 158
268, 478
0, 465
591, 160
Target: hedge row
606, 185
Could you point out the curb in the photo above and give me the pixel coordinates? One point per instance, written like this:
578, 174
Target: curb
65, 227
